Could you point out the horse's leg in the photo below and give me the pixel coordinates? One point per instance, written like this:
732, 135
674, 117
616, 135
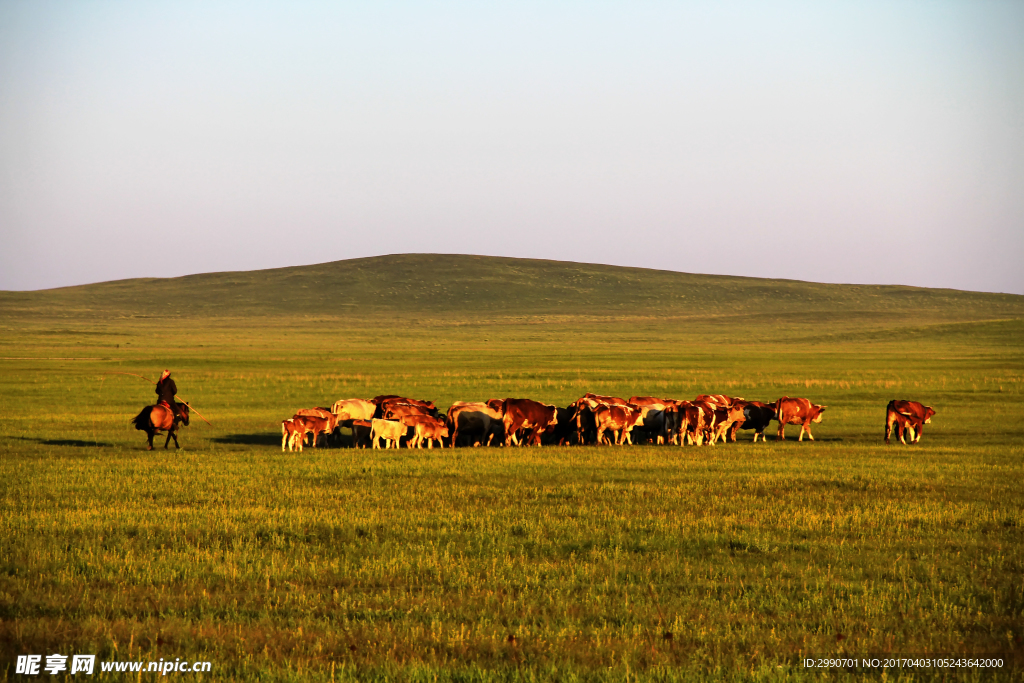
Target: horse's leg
150, 433
170, 433
174, 433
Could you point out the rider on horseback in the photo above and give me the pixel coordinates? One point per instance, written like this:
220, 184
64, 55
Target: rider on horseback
166, 389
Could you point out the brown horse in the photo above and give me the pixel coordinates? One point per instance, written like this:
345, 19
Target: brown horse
152, 419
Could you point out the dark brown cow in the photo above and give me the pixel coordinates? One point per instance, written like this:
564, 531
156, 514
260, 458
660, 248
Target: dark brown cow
797, 411
526, 414
361, 430
757, 416
479, 420
907, 415
619, 420
564, 431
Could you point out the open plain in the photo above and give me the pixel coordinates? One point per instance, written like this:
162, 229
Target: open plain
733, 562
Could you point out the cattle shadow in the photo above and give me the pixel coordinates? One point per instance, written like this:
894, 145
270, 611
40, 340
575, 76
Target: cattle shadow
260, 439
272, 439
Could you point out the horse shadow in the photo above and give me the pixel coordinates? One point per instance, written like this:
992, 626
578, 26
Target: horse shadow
79, 443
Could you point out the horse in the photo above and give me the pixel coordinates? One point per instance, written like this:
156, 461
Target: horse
152, 419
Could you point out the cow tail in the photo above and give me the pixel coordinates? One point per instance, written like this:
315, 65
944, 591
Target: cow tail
141, 421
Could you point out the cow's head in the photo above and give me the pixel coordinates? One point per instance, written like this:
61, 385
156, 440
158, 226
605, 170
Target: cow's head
553, 422
929, 412
817, 411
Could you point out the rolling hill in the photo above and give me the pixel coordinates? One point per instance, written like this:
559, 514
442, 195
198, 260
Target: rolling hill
434, 285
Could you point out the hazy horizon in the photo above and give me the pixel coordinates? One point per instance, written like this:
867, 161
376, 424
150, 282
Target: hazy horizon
853, 143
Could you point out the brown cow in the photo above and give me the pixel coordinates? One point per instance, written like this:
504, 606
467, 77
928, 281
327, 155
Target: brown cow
594, 400
619, 420
383, 402
398, 411
908, 415
686, 423
522, 413
725, 418
797, 411
650, 402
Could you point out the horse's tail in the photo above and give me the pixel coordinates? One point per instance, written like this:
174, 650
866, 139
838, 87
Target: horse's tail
142, 421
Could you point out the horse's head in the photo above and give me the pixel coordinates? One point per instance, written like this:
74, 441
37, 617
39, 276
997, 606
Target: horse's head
184, 414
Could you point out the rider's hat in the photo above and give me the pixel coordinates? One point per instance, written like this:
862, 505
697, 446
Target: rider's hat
167, 373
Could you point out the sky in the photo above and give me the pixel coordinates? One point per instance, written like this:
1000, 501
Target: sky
847, 142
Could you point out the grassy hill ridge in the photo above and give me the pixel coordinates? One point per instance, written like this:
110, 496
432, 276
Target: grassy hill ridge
434, 284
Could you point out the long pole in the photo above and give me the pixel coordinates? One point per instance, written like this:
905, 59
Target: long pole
132, 374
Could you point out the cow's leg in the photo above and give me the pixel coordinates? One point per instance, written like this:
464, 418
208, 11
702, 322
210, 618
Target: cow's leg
920, 430
889, 417
782, 432
284, 438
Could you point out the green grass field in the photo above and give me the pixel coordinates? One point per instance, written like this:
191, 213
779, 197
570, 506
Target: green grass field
594, 563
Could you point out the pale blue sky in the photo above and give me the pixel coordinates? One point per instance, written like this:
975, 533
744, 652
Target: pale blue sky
860, 142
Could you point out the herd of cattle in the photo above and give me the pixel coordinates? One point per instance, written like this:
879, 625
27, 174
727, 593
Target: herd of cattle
396, 420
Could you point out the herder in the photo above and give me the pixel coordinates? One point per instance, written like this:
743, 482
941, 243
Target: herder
166, 389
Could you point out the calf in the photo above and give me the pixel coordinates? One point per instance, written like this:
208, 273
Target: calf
324, 413
426, 427
292, 432
389, 430
797, 411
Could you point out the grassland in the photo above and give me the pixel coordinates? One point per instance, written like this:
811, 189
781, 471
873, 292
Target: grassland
654, 563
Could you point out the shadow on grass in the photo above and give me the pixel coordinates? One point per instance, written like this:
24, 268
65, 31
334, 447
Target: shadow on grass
249, 439
67, 442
